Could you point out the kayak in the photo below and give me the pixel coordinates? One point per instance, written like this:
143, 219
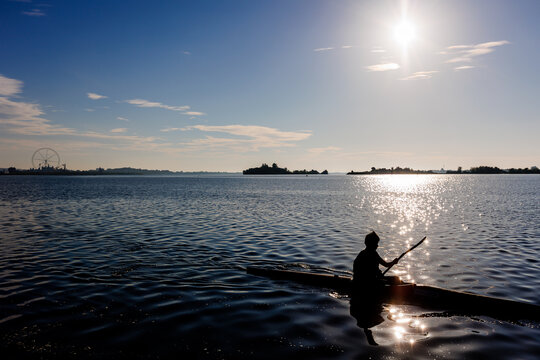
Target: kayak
426, 296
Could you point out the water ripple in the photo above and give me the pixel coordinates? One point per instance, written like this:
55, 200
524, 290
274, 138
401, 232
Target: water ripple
131, 267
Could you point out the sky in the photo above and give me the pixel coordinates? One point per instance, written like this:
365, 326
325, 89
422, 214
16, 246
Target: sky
307, 84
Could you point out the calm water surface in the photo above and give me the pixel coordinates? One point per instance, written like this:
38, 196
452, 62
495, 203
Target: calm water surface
137, 267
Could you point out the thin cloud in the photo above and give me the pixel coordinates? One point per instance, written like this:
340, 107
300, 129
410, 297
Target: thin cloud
465, 67
323, 49
252, 137
194, 113
333, 48
170, 129
34, 13
89, 110
383, 67
465, 53
121, 118
254, 131
421, 75
119, 130
459, 59
9, 87
322, 150
26, 119
95, 96
152, 104
16, 110
186, 52
459, 47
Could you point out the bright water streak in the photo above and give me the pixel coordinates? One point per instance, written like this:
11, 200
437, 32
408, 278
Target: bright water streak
128, 266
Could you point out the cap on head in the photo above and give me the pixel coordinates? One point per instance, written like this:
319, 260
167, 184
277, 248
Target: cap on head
372, 240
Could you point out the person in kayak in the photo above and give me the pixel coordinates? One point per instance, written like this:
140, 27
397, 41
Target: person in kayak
366, 265
368, 280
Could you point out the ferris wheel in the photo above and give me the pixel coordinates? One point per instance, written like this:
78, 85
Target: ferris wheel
45, 158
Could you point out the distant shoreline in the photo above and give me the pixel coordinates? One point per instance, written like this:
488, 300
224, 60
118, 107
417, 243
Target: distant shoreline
100, 171
473, 171
263, 170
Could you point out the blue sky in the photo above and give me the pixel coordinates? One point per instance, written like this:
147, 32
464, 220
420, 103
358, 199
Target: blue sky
227, 85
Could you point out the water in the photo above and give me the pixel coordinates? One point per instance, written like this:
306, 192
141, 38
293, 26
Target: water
137, 267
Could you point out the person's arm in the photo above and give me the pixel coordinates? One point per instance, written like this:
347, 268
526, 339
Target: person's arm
387, 264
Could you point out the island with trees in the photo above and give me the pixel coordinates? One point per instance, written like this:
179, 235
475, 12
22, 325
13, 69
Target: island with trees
385, 171
264, 169
473, 170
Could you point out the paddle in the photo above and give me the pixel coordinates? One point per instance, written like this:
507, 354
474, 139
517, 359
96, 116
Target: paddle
405, 253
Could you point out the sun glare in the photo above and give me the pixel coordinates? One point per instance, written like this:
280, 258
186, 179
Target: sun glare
404, 33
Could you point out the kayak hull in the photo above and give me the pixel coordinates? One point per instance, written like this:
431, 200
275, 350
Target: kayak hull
410, 294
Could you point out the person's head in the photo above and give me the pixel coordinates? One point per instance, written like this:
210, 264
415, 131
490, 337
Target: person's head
372, 240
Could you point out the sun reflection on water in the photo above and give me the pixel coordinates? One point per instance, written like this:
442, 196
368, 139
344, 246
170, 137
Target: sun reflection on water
406, 183
402, 209
407, 329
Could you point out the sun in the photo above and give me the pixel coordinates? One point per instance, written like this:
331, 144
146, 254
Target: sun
404, 33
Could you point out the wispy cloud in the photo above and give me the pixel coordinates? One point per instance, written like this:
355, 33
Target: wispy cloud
378, 50
459, 59
23, 118
251, 137
153, 104
16, 110
34, 12
119, 130
89, 110
194, 113
322, 150
323, 49
421, 75
9, 87
254, 131
465, 67
466, 53
121, 118
95, 96
170, 129
383, 67
186, 52
333, 48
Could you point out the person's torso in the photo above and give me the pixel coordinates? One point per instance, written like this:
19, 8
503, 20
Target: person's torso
366, 266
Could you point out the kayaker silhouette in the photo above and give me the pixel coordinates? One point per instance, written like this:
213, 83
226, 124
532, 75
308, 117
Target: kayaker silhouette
368, 293
366, 273
368, 283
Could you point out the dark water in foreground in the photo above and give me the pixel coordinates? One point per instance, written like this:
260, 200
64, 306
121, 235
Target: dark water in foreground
136, 267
